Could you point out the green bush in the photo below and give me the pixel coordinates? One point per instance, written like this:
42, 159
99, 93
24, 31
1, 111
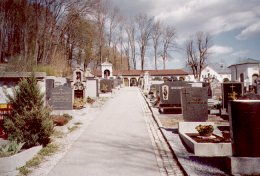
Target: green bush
11, 148
29, 120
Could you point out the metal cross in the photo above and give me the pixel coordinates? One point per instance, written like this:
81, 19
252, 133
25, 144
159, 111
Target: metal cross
232, 87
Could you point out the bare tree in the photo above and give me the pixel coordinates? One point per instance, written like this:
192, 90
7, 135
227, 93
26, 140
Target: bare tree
131, 31
101, 19
156, 36
197, 52
144, 25
168, 40
114, 20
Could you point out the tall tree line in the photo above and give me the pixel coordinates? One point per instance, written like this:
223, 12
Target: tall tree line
43, 32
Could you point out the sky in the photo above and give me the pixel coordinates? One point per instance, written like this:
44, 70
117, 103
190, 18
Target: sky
234, 26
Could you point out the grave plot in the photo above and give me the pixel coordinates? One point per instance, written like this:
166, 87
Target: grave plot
213, 145
170, 96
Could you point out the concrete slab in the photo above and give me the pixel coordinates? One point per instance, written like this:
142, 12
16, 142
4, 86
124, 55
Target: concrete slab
202, 149
244, 165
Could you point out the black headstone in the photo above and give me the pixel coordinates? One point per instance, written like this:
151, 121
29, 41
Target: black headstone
231, 91
170, 92
244, 126
49, 86
106, 85
61, 98
194, 104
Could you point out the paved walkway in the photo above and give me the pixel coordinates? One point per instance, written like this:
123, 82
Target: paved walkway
116, 143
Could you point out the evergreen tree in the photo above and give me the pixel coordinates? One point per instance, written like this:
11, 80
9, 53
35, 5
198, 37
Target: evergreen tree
29, 120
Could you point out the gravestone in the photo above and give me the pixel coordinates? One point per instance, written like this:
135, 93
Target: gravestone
155, 88
92, 88
49, 86
61, 98
106, 85
170, 92
216, 90
170, 96
194, 103
231, 91
258, 85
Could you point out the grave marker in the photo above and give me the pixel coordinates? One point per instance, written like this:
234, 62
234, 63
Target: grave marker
231, 91
106, 85
61, 98
92, 88
194, 104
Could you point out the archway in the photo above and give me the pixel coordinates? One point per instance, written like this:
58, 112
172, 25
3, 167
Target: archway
133, 82
126, 82
141, 82
106, 73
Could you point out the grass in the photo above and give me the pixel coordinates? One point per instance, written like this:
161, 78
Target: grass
77, 123
73, 128
49, 150
58, 134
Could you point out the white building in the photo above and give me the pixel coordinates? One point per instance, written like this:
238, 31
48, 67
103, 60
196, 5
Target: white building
247, 70
217, 71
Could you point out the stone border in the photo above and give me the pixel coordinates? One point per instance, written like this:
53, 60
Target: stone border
10, 164
202, 149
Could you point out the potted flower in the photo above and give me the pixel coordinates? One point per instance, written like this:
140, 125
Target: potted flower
205, 130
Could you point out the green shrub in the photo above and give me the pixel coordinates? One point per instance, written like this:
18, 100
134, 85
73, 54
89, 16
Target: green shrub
11, 148
29, 120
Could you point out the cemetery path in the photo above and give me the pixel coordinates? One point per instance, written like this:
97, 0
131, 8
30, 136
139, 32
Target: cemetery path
115, 143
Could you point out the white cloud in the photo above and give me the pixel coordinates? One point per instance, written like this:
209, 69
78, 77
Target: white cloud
240, 53
217, 49
249, 31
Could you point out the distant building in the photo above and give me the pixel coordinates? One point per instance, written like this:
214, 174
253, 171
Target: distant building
217, 71
135, 77
246, 70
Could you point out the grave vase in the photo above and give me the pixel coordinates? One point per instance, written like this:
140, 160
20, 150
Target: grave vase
245, 128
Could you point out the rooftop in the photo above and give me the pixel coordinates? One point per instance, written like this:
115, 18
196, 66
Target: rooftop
246, 61
141, 72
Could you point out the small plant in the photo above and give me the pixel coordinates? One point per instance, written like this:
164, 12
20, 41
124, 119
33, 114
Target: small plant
67, 116
11, 148
61, 120
79, 103
90, 100
73, 128
205, 130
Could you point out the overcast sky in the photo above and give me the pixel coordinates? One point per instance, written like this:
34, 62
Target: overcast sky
233, 24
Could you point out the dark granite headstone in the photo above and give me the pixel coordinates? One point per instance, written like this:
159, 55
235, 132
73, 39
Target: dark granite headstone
194, 104
49, 87
61, 98
244, 126
231, 91
106, 85
170, 92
